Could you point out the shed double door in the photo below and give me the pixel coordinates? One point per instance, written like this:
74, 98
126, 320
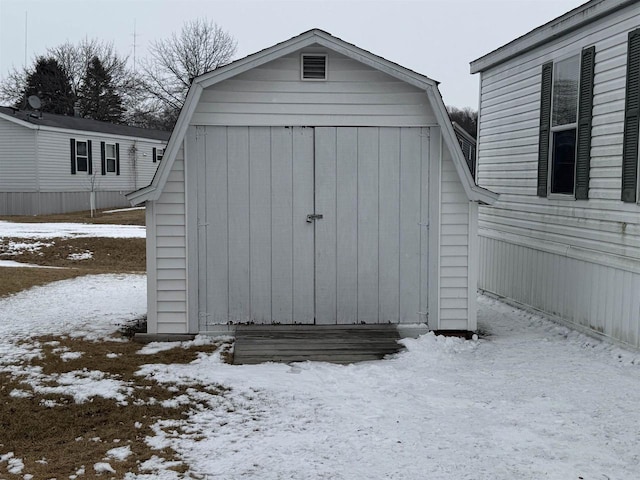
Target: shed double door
324, 225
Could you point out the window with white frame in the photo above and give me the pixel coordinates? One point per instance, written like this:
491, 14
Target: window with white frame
564, 125
82, 156
160, 154
110, 157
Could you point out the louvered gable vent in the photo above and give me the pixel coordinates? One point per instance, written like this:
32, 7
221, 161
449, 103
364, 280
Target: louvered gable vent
314, 67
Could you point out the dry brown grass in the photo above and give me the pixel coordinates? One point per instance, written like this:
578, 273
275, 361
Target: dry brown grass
66, 435
110, 255
131, 217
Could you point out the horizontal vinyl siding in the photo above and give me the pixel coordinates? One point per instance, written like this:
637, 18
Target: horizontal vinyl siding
136, 163
353, 95
170, 253
17, 158
575, 260
454, 250
508, 149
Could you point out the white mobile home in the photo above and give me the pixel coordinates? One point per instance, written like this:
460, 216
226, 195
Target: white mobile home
51, 163
558, 139
312, 183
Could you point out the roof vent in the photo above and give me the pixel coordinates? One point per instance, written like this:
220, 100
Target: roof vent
314, 67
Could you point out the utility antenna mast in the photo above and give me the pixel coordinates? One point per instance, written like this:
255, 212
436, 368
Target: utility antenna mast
135, 36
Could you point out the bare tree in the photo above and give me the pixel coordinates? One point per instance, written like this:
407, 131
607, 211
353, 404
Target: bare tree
13, 86
466, 117
201, 46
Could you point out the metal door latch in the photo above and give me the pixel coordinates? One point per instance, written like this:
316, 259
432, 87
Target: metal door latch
313, 216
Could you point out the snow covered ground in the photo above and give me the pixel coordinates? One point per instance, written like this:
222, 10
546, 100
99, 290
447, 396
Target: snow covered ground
529, 400
68, 230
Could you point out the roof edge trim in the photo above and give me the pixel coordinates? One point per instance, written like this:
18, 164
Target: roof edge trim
562, 25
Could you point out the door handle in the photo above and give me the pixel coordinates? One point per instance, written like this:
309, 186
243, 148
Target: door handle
313, 216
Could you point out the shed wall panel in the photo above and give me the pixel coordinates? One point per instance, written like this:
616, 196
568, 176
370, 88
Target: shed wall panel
18, 171
454, 248
170, 255
353, 95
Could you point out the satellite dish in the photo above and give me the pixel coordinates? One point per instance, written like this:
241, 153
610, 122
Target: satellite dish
34, 102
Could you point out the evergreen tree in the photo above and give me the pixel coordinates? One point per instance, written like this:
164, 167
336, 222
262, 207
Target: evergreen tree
97, 96
51, 84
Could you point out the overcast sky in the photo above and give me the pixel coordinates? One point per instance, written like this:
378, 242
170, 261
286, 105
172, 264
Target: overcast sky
435, 38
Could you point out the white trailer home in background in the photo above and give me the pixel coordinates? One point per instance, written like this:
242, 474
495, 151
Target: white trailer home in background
558, 139
50, 163
314, 183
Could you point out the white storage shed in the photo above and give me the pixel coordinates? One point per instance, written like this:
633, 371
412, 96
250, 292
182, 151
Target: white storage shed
312, 183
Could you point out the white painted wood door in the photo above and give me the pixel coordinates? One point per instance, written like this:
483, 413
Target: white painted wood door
260, 260
371, 244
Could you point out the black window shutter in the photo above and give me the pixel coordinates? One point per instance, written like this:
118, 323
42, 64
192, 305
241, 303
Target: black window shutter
545, 122
117, 159
155, 155
631, 120
103, 162
585, 112
90, 158
73, 156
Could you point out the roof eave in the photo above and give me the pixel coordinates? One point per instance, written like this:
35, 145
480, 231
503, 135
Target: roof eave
309, 38
570, 21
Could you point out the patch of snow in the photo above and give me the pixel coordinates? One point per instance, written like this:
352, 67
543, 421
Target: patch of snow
48, 403
113, 355
103, 467
69, 230
17, 393
15, 466
82, 385
120, 453
18, 248
14, 264
27, 476
66, 356
5, 457
152, 348
86, 255
137, 425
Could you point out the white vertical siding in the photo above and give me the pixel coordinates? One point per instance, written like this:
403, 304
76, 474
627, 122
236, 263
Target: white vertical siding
353, 95
170, 253
592, 296
454, 249
547, 252
17, 158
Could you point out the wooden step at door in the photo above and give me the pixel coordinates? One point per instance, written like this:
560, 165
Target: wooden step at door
322, 343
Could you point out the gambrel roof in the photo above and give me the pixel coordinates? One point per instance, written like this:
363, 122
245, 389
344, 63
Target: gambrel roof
313, 37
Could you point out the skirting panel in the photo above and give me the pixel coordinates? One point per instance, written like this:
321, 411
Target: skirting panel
597, 297
44, 203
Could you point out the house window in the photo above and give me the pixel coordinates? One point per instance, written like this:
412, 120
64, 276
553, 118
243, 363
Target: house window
314, 67
564, 125
110, 157
158, 154
82, 156
566, 110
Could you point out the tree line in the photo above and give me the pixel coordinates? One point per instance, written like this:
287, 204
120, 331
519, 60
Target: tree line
92, 80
